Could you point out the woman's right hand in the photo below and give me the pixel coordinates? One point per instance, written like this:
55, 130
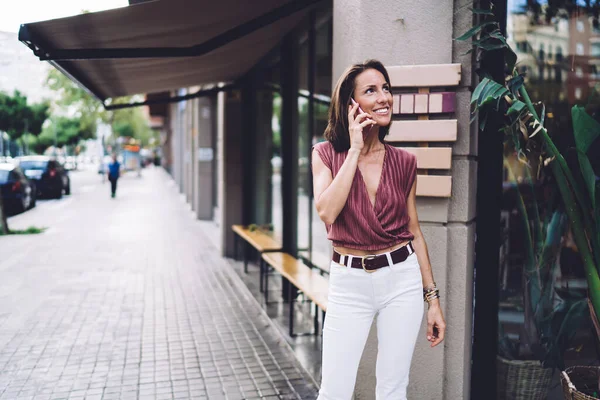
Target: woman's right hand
356, 124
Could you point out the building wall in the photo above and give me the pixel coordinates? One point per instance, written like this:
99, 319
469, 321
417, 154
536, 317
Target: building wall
192, 151
195, 136
188, 134
174, 123
411, 33
231, 166
204, 157
21, 70
397, 33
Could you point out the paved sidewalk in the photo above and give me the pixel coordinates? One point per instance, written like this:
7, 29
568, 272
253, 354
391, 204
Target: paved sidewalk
128, 298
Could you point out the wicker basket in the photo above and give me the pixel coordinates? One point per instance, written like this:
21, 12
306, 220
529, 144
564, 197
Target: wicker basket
522, 380
581, 383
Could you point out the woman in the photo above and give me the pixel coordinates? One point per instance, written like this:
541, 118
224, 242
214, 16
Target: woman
365, 194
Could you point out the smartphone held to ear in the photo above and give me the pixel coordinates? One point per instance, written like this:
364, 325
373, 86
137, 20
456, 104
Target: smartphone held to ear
360, 110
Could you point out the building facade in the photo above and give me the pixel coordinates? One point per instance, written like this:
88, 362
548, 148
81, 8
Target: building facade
231, 156
240, 111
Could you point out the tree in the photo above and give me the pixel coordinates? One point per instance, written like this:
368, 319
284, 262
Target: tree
545, 11
73, 100
13, 114
131, 122
18, 118
63, 131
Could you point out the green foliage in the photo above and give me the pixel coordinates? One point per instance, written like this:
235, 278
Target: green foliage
32, 230
131, 122
544, 10
71, 97
277, 126
66, 132
128, 122
547, 327
38, 113
551, 318
123, 129
18, 118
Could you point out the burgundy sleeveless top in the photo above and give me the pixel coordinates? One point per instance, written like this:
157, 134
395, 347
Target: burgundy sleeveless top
360, 225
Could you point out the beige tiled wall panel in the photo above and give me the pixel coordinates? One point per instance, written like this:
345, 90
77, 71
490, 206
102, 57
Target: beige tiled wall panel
434, 185
432, 157
436, 102
421, 103
423, 131
424, 75
407, 104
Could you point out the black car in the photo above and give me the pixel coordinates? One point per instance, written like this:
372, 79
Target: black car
50, 178
18, 193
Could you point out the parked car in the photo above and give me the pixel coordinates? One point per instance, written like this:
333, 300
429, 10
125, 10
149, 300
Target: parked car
70, 163
50, 177
18, 193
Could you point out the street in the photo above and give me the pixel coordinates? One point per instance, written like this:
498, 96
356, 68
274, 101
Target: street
128, 298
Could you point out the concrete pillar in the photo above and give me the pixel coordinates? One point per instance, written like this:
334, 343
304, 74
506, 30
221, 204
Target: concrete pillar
262, 153
179, 125
176, 147
220, 160
195, 134
416, 32
204, 157
231, 166
188, 141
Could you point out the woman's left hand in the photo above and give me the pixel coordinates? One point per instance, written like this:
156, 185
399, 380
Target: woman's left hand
436, 326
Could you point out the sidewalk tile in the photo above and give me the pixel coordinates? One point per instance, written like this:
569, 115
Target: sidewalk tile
141, 303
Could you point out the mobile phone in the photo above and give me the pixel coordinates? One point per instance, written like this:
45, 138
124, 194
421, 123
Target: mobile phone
360, 110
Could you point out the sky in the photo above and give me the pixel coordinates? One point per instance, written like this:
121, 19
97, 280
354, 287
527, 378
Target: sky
15, 13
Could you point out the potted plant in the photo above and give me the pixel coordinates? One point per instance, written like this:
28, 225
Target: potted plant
525, 365
577, 185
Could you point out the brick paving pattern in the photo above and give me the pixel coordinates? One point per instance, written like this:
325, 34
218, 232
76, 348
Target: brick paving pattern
129, 299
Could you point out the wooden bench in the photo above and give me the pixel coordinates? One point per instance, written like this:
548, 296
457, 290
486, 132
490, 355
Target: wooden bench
260, 240
310, 282
425, 91
316, 261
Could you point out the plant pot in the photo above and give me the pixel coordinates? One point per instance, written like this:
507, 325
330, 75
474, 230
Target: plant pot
522, 380
581, 383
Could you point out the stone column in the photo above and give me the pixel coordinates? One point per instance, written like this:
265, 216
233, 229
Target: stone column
204, 157
414, 32
231, 167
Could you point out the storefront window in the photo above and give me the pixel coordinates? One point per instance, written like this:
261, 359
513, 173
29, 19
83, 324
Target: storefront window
320, 246
312, 235
541, 276
304, 127
276, 161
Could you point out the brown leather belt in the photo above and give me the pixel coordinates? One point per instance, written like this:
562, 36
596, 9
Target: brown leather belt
371, 263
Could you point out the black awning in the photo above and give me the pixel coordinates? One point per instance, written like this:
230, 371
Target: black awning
163, 45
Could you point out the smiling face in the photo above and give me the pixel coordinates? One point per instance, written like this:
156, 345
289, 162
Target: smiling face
372, 93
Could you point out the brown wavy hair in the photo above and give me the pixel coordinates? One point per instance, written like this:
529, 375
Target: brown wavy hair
337, 126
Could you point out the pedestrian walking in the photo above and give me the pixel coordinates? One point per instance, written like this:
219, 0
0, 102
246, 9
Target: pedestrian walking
365, 193
114, 171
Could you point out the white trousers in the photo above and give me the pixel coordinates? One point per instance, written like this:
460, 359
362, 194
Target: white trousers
395, 295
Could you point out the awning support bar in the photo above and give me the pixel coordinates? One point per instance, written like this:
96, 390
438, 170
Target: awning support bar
34, 42
174, 99
45, 53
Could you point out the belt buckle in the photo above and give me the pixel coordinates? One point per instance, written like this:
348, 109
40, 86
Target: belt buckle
367, 258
